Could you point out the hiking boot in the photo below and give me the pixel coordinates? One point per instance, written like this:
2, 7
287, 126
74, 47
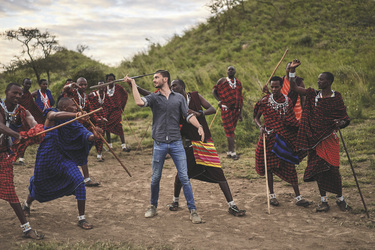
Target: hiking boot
173, 206
343, 205
323, 207
235, 211
151, 212
194, 217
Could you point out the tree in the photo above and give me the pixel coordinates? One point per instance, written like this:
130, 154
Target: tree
36, 47
81, 48
222, 11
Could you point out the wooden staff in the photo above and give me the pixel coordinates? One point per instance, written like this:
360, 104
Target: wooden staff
212, 122
266, 172
282, 58
145, 133
65, 123
355, 176
136, 138
106, 143
120, 80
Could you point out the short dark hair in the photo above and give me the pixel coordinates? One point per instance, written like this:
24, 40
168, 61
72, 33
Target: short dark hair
24, 80
12, 84
62, 102
164, 73
69, 80
42, 80
277, 78
108, 75
329, 76
180, 82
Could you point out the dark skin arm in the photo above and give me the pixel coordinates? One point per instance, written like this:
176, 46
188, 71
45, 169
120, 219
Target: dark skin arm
209, 109
214, 92
293, 85
34, 93
141, 91
258, 123
7, 131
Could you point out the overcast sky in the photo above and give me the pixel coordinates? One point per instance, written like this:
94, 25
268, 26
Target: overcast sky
113, 29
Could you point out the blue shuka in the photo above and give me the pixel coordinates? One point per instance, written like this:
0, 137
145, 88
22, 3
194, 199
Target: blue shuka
56, 172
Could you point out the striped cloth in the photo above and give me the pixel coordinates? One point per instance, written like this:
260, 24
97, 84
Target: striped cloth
297, 107
205, 153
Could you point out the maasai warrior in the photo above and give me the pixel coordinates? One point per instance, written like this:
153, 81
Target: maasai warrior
56, 172
12, 116
66, 90
281, 125
29, 104
228, 91
99, 99
167, 107
323, 113
202, 159
43, 96
77, 92
119, 97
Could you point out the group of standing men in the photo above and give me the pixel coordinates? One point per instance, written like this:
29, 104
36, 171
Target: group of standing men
180, 129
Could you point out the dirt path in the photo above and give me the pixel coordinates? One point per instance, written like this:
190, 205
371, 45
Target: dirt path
117, 211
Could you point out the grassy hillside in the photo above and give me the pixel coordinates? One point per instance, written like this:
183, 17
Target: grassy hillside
335, 36
71, 64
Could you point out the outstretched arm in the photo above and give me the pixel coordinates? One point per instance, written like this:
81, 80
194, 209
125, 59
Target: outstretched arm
136, 95
30, 119
292, 78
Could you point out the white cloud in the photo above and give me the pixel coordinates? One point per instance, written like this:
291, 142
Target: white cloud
113, 29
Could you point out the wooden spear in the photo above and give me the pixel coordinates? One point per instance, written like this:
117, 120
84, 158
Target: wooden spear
65, 123
266, 173
145, 133
212, 122
106, 143
355, 176
136, 138
282, 58
120, 80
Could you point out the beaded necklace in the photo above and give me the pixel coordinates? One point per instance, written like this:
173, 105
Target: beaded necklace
232, 85
111, 91
100, 100
10, 117
279, 107
82, 100
320, 95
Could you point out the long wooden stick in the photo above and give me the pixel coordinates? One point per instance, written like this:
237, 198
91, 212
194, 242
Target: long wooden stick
65, 123
217, 111
266, 172
119, 80
355, 176
145, 132
106, 143
282, 58
136, 138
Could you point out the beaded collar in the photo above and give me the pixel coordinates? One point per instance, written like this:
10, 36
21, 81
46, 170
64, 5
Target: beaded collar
232, 85
111, 91
319, 96
279, 107
82, 100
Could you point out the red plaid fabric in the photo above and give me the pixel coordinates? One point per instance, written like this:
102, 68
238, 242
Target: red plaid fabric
317, 122
327, 176
28, 138
233, 99
104, 113
119, 99
7, 190
27, 101
86, 106
284, 125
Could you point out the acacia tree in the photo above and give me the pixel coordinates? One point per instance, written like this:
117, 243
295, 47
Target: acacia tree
222, 11
36, 48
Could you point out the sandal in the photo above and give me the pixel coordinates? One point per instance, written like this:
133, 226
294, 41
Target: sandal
235, 157
173, 206
92, 183
33, 234
85, 225
303, 203
234, 210
323, 207
26, 209
274, 202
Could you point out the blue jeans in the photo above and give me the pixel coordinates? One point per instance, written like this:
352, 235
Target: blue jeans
177, 152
